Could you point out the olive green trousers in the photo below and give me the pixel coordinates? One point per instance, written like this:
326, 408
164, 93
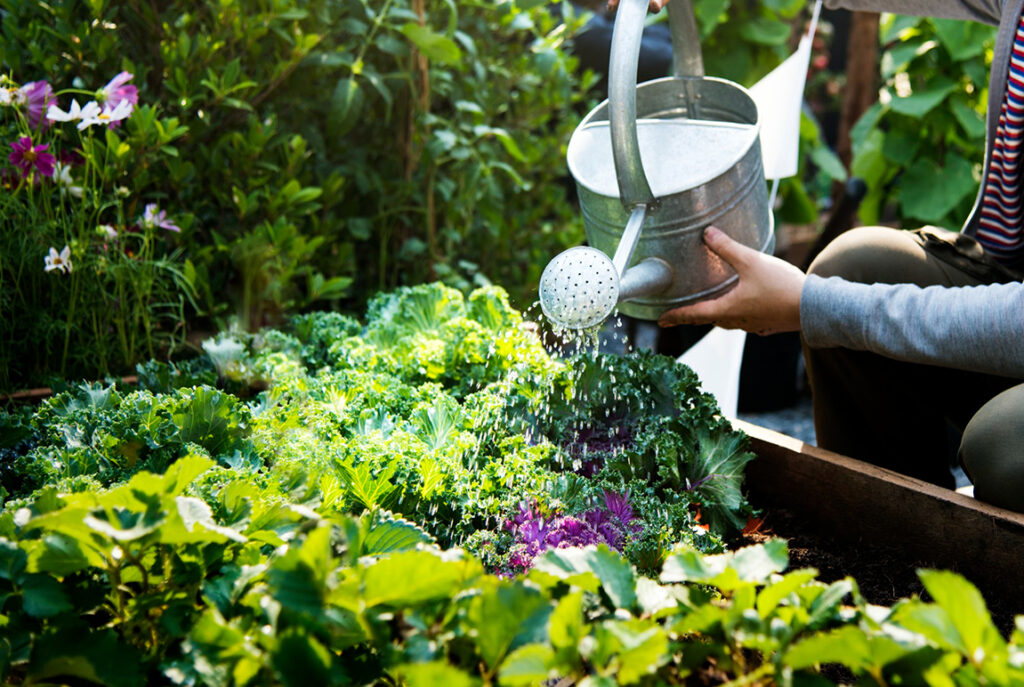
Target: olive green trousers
912, 418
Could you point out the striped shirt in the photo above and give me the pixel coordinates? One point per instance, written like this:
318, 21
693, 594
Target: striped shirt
1000, 229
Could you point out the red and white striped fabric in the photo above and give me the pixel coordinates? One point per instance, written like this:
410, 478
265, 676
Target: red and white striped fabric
1000, 228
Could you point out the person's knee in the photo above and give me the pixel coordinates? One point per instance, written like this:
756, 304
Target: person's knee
992, 450
858, 255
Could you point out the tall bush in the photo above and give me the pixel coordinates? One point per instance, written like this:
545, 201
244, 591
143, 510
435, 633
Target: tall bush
336, 147
920, 147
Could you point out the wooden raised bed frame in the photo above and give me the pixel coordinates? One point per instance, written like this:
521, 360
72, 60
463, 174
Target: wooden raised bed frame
858, 501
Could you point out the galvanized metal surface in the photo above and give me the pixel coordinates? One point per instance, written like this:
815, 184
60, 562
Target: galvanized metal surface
693, 160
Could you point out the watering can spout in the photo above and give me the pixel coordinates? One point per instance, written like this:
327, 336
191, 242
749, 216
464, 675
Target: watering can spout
581, 286
649, 277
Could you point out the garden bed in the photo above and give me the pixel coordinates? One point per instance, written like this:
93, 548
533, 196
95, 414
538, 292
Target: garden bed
847, 517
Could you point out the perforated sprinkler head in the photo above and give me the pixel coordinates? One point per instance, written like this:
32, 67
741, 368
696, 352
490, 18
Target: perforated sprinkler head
579, 288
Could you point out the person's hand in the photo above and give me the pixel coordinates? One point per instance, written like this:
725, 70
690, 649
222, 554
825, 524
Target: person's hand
765, 299
654, 5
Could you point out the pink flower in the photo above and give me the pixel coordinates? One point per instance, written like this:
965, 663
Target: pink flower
38, 96
117, 90
153, 216
26, 157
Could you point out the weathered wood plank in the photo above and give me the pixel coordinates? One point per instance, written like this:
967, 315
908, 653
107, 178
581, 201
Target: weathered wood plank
854, 500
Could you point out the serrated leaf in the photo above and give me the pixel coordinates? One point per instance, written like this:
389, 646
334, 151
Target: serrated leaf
426, 576
966, 609
643, 648
530, 664
566, 627
60, 554
847, 646
771, 596
503, 615
614, 572
392, 535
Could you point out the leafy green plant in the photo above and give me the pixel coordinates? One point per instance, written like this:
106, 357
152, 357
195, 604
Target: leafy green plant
338, 147
920, 147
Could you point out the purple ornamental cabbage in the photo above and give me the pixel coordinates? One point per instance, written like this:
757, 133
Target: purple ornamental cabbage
534, 533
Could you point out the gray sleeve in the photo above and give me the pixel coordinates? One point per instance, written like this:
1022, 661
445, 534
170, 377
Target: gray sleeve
979, 328
987, 11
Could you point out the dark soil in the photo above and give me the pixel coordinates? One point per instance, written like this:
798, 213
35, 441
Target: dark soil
883, 573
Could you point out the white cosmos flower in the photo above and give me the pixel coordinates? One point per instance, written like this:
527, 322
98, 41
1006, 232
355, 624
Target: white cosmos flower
92, 113
62, 174
58, 115
58, 261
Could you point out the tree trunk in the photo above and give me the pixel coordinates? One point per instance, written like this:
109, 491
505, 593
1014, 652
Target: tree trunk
861, 90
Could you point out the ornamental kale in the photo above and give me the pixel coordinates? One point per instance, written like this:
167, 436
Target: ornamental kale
535, 532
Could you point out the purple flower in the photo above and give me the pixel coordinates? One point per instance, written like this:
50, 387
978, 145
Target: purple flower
38, 96
618, 505
27, 157
117, 90
153, 217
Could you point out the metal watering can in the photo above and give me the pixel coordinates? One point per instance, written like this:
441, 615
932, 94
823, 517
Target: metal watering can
686, 153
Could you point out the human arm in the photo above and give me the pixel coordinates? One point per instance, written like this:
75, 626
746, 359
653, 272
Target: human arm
979, 328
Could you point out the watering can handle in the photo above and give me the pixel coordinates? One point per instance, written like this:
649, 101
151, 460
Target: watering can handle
634, 189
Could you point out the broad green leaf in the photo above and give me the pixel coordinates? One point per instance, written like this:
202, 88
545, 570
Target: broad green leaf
300, 660
828, 162
566, 627
13, 561
653, 599
917, 105
643, 648
97, 656
765, 31
966, 608
392, 534
932, 622
504, 613
192, 522
60, 554
929, 192
963, 39
614, 572
972, 121
901, 146
43, 596
757, 563
772, 595
530, 664
728, 571
425, 576
847, 646
434, 674
434, 46
827, 603
183, 471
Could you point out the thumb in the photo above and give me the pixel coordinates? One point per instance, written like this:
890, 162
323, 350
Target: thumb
733, 252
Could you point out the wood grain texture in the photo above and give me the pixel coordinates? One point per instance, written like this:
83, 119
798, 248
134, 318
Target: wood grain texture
857, 501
